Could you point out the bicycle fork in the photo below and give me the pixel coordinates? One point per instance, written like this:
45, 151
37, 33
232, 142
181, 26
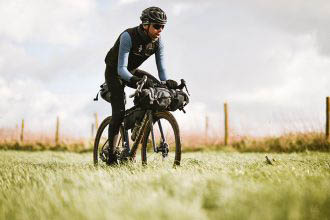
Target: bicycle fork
163, 146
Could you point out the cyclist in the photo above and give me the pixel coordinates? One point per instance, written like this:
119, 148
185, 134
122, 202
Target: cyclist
131, 49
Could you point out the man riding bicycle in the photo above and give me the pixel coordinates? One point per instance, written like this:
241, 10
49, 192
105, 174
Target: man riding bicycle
131, 49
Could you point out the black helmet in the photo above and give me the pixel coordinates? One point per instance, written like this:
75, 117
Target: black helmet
153, 15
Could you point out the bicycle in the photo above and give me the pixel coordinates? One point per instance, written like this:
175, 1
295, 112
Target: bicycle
157, 131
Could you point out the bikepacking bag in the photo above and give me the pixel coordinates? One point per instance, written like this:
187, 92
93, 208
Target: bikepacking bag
133, 117
179, 101
104, 92
162, 99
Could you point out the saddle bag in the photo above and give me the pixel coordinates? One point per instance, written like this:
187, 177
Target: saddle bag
104, 92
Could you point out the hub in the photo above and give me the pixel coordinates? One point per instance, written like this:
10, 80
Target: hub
163, 148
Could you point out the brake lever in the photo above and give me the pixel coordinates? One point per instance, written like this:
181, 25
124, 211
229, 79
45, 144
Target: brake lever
183, 82
141, 83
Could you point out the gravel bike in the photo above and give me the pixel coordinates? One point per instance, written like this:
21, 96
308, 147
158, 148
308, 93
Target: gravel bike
157, 131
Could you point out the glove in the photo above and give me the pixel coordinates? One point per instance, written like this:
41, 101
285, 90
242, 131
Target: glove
171, 84
148, 84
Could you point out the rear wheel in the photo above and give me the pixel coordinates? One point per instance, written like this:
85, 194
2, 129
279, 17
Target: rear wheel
168, 145
101, 141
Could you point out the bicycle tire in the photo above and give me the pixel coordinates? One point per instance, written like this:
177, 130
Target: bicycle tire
165, 117
98, 137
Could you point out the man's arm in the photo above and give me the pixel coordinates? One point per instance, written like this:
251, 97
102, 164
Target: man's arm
162, 74
124, 49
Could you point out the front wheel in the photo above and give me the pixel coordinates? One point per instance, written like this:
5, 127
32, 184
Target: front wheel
167, 140
101, 140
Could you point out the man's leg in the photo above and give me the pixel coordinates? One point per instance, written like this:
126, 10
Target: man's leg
118, 111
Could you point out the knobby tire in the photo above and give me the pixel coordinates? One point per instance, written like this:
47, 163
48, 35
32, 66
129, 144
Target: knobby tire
174, 126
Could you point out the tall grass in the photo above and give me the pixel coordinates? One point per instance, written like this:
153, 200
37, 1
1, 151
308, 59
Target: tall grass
292, 142
208, 185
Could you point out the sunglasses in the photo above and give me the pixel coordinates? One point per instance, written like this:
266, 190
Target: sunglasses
158, 26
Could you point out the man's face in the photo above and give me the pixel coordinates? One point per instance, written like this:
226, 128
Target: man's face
154, 30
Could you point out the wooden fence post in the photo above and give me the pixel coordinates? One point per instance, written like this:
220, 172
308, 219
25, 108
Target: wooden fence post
226, 124
327, 124
22, 131
96, 121
206, 128
92, 130
16, 133
57, 133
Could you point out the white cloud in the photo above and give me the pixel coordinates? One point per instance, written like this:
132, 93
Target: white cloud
305, 75
297, 17
39, 107
261, 57
128, 1
180, 8
14, 61
55, 22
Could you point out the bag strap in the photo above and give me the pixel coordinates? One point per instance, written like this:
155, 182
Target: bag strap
102, 87
97, 96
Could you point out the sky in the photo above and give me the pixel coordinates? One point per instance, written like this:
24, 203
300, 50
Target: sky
269, 60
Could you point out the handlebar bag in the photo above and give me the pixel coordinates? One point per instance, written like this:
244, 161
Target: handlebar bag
154, 98
161, 99
179, 101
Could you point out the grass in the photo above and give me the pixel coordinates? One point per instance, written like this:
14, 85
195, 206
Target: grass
291, 142
208, 185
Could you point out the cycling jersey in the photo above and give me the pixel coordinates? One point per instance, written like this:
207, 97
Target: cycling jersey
131, 49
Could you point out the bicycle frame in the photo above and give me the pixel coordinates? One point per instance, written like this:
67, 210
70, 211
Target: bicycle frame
132, 151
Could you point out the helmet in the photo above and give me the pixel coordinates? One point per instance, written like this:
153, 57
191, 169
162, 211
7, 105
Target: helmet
153, 15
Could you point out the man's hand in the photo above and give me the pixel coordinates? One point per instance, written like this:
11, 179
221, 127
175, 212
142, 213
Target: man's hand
171, 84
148, 84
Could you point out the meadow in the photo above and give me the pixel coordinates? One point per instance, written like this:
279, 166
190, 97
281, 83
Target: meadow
208, 185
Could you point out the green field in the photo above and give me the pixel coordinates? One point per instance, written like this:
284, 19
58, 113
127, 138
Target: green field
208, 185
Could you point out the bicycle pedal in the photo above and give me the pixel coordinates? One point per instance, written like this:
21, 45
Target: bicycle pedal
125, 153
102, 157
104, 154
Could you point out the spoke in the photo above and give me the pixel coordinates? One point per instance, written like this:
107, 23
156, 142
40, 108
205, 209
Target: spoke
119, 141
105, 144
163, 133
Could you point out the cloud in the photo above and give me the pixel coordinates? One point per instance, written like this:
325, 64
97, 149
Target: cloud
295, 17
54, 22
39, 107
263, 57
298, 17
323, 41
128, 1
